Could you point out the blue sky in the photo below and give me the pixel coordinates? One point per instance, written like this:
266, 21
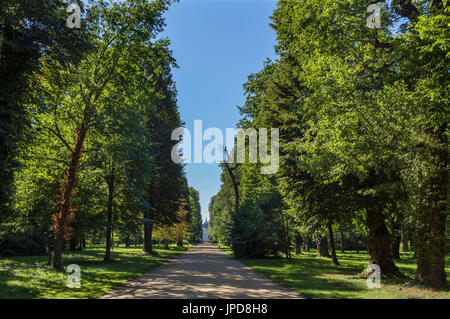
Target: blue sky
217, 44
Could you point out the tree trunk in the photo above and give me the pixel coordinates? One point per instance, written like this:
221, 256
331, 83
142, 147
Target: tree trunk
112, 235
166, 243
234, 183
308, 242
430, 244
298, 244
66, 203
333, 247
405, 247
322, 246
148, 233
109, 215
342, 242
49, 260
379, 242
287, 239
127, 241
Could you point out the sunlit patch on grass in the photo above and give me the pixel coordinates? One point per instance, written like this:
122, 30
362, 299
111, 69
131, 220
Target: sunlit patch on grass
30, 277
319, 278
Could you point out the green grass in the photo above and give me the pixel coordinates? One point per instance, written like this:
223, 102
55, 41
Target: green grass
30, 277
319, 278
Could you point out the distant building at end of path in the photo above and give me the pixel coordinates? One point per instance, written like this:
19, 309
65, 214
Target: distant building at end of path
205, 230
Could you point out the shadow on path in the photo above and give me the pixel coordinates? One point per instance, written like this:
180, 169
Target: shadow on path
202, 272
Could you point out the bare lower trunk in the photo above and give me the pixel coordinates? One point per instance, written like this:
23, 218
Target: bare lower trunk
234, 182
430, 243
322, 246
405, 247
166, 243
49, 260
298, 244
287, 239
109, 216
333, 247
148, 233
308, 242
66, 203
379, 242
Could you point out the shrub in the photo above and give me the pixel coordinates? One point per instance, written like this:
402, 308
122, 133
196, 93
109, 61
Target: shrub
255, 233
22, 244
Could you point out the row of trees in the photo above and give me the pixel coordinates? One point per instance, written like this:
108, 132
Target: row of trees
363, 117
85, 122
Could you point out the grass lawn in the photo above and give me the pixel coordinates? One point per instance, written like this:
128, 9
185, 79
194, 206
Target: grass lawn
30, 277
319, 278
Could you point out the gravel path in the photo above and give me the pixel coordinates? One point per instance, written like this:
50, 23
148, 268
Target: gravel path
202, 272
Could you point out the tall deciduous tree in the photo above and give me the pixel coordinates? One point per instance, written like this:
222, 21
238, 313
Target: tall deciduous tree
118, 32
378, 94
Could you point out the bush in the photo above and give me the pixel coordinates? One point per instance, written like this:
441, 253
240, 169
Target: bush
255, 233
22, 244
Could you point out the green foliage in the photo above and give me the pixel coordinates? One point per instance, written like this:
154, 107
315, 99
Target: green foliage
255, 232
30, 277
363, 117
195, 231
221, 210
28, 31
319, 278
115, 101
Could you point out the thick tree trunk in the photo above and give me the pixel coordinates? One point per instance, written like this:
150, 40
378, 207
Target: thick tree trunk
379, 242
127, 241
430, 243
322, 246
405, 247
333, 246
66, 203
109, 215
